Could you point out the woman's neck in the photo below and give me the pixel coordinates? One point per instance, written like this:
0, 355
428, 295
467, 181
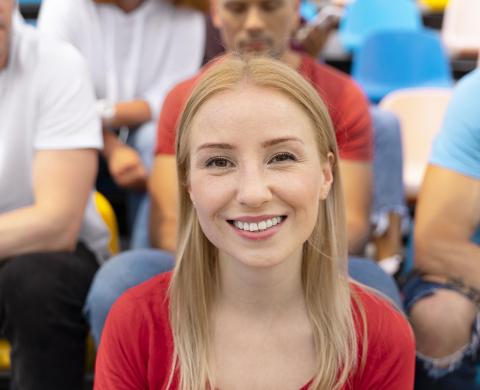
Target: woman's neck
260, 291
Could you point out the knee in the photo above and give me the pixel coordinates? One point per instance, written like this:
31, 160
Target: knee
123, 272
442, 323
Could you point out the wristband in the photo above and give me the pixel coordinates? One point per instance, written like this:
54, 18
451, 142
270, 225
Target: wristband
106, 110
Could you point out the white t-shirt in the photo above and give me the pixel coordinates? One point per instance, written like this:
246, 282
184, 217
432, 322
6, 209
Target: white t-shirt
46, 103
136, 55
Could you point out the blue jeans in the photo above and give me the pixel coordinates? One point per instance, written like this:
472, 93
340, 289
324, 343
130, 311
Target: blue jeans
458, 371
133, 267
143, 140
117, 275
388, 190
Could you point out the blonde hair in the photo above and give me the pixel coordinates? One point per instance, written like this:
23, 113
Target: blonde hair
324, 272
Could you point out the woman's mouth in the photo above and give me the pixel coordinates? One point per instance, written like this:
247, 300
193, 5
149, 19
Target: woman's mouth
258, 226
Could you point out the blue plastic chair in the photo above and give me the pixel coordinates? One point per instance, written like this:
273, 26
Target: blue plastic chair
29, 2
392, 60
365, 17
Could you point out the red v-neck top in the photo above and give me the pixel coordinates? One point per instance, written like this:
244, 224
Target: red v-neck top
137, 345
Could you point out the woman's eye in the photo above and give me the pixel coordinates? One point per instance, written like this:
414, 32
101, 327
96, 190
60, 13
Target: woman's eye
218, 162
281, 157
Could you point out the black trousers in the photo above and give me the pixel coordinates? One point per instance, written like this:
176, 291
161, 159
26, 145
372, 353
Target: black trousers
41, 301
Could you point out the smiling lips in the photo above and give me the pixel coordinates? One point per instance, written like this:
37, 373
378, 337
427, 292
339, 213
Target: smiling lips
258, 226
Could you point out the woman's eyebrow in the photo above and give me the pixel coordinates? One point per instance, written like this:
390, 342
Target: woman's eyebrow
276, 141
213, 145
265, 144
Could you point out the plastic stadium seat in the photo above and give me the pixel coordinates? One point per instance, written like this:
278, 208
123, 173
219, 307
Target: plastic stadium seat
434, 5
420, 111
392, 60
461, 27
365, 17
105, 210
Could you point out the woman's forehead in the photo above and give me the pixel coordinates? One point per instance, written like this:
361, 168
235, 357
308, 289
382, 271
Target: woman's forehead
251, 111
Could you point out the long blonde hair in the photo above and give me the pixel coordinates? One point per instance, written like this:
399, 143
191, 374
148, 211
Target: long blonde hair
324, 272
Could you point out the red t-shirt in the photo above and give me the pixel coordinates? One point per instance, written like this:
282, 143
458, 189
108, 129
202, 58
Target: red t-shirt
346, 103
137, 345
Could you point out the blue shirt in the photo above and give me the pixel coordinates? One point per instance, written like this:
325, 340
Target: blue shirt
457, 146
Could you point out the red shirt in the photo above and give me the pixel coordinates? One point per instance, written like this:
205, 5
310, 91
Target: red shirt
137, 345
346, 103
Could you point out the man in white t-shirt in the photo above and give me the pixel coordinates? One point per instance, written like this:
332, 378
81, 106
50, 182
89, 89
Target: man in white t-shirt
50, 240
135, 51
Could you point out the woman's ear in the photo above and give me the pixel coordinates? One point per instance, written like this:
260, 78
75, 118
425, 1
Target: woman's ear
327, 175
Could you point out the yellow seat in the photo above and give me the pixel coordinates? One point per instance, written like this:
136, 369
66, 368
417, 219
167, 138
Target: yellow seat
435, 5
105, 210
4, 355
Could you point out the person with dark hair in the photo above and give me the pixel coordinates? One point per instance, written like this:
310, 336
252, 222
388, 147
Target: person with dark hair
136, 50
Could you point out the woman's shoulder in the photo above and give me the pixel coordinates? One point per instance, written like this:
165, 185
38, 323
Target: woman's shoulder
381, 314
154, 287
144, 302
136, 339
390, 346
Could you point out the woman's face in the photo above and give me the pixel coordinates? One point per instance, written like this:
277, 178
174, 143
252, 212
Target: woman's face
256, 178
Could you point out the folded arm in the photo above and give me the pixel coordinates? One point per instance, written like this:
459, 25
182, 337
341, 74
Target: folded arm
357, 188
447, 215
163, 191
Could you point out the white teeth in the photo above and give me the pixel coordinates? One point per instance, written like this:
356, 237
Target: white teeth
255, 227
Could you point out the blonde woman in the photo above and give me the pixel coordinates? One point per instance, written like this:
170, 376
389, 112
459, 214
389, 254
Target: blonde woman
259, 298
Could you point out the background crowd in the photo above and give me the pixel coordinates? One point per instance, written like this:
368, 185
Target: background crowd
108, 79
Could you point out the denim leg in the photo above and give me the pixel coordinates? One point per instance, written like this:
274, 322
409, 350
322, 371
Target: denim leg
143, 140
140, 231
457, 371
388, 191
370, 274
118, 274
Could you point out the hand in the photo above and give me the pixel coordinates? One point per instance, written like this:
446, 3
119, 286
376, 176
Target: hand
313, 37
127, 169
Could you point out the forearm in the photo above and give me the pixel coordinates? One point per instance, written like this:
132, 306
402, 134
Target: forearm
162, 230
110, 143
31, 229
357, 233
447, 258
132, 113
163, 192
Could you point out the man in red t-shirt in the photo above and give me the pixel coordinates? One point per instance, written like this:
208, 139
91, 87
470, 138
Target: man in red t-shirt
264, 27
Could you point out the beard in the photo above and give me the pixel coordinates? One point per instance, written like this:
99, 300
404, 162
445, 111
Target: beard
257, 46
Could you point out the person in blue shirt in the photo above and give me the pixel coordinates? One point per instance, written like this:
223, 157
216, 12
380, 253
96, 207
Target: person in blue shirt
443, 297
